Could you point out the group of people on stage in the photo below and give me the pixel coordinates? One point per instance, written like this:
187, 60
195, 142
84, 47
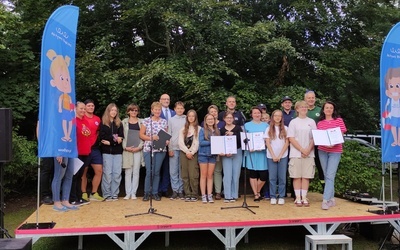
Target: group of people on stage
186, 164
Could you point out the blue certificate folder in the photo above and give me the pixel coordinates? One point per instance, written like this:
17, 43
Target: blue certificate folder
162, 142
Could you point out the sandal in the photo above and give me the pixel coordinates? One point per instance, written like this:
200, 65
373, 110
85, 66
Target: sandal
257, 197
306, 202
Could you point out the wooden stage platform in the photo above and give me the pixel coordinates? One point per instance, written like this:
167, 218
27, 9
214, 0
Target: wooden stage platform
229, 225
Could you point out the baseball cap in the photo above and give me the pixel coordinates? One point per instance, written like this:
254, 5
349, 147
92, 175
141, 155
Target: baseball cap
286, 98
261, 106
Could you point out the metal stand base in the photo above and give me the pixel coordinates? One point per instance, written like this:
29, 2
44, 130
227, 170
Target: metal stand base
150, 211
244, 205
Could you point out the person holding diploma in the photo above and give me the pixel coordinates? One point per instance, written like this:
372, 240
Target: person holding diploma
213, 110
189, 144
301, 164
132, 154
206, 159
330, 155
111, 136
231, 162
277, 156
256, 161
149, 133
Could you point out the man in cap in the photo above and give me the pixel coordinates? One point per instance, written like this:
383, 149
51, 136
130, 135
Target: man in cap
263, 108
288, 112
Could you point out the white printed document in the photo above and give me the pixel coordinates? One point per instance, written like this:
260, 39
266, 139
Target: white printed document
223, 145
327, 137
256, 141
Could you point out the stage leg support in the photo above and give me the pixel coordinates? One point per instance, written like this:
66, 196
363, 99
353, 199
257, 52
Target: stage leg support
129, 242
395, 224
166, 239
322, 228
80, 242
230, 239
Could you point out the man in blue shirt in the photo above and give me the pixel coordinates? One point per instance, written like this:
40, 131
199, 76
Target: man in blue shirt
288, 112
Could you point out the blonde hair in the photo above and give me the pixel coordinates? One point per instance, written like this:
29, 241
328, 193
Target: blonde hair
298, 104
58, 62
106, 118
281, 125
208, 130
212, 107
156, 105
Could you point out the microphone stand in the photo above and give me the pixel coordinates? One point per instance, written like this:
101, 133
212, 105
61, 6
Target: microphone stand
151, 210
247, 147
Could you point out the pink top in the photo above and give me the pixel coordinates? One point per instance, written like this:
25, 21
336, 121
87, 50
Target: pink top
334, 123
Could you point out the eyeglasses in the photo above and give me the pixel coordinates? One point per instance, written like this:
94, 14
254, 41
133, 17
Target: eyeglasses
134, 110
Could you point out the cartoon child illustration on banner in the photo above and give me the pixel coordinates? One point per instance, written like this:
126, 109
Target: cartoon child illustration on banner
391, 114
62, 81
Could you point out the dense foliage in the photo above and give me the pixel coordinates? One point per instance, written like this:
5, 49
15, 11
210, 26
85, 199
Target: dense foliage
202, 51
359, 170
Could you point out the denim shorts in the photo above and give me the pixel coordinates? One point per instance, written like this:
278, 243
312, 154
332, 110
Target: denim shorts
95, 157
207, 159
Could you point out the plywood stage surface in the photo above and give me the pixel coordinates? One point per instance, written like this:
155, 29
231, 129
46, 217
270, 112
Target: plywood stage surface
100, 217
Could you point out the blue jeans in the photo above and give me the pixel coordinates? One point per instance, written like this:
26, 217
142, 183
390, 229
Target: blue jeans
175, 172
231, 167
329, 164
111, 179
62, 180
277, 174
164, 175
157, 162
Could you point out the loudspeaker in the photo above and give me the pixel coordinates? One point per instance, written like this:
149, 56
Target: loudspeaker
5, 134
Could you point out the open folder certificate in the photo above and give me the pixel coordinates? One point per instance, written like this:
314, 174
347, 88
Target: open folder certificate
223, 145
327, 137
256, 141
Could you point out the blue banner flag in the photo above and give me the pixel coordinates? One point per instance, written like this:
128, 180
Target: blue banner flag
57, 132
390, 96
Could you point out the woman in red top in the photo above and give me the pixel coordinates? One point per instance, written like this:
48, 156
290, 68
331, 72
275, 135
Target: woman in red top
330, 155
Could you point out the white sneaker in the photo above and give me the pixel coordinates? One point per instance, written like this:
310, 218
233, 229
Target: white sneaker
133, 197
273, 201
281, 201
127, 197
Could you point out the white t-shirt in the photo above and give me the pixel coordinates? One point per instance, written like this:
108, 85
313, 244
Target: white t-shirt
277, 143
395, 108
300, 130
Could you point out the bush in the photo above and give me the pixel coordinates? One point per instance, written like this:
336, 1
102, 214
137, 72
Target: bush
358, 170
21, 172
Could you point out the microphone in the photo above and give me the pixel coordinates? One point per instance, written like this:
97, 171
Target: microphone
243, 116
